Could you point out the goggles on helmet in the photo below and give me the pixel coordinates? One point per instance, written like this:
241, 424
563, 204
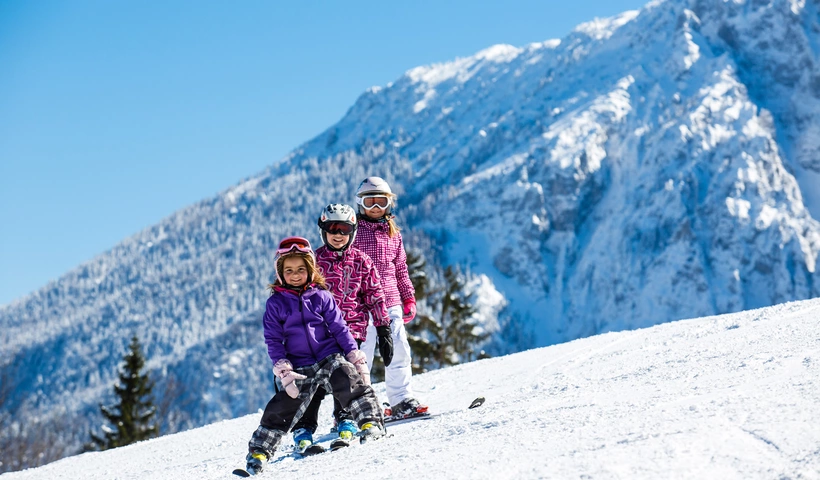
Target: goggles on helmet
294, 244
373, 201
338, 228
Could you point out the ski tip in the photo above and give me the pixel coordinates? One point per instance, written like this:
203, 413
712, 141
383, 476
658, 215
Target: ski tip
337, 444
314, 449
477, 402
241, 473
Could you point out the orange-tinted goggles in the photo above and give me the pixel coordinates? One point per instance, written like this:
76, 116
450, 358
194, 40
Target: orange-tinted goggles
373, 201
290, 244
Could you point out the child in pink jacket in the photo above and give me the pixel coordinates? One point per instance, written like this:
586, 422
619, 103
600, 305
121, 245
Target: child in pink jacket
378, 236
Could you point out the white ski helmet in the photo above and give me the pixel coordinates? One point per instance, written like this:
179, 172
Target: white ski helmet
371, 185
374, 186
338, 218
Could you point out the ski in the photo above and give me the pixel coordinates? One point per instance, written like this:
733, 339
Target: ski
241, 473
338, 443
409, 418
293, 449
315, 449
425, 415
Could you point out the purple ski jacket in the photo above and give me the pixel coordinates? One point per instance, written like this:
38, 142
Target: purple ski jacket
305, 327
356, 286
390, 259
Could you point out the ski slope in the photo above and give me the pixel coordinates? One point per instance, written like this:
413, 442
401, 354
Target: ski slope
735, 396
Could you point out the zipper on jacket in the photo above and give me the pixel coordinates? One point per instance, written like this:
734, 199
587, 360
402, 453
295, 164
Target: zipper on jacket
304, 325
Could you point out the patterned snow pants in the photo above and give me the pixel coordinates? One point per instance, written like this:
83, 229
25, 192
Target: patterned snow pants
336, 375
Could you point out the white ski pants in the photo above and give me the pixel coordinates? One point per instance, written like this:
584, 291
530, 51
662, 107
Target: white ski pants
397, 375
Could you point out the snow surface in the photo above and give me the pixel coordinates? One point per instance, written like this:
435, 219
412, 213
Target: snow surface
730, 396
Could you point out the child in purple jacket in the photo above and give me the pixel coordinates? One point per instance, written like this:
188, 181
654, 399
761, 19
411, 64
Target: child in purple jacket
353, 280
310, 347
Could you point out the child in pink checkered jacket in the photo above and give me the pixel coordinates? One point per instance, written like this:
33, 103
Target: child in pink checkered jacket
378, 236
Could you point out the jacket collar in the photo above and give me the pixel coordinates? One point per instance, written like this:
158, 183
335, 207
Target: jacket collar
364, 219
329, 254
370, 224
295, 290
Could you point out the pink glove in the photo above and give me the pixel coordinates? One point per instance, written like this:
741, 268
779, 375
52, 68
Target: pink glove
409, 310
359, 360
284, 370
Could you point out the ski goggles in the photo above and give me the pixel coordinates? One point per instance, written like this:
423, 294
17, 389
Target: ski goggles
373, 201
294, 244
338, 228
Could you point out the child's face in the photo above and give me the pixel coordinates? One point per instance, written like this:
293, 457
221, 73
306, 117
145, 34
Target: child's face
295, 271
375, 213
337, 240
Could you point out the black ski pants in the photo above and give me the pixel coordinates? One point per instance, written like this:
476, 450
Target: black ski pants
333, 373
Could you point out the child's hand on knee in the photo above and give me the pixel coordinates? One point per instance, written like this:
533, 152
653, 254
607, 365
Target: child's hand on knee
284, 370
359, 360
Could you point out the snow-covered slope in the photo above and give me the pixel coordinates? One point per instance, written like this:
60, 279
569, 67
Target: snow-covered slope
649, 167
731, 397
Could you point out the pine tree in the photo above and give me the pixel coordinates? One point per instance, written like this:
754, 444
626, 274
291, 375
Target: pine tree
458, 334
421, 347
132, 415
416, 269
444, 330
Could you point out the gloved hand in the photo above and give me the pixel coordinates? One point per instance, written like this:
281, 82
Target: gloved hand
409, 310
385, 343
284, 370
359, 360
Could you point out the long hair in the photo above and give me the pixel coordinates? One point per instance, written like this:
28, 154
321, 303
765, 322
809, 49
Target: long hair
392, 228
314, 275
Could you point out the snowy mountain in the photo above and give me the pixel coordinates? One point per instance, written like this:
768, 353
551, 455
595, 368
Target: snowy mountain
731, 397
649, 167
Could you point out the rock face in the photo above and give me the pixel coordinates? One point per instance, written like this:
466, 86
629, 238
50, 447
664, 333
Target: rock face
658, 165
654, 166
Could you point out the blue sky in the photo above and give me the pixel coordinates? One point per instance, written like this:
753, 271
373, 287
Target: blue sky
113, 115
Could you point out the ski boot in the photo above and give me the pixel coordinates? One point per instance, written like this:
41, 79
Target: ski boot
370, 431
302, 438
256, 461
409, 407
346, 429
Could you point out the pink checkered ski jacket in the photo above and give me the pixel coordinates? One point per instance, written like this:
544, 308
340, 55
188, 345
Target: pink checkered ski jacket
353, 280
390, 259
